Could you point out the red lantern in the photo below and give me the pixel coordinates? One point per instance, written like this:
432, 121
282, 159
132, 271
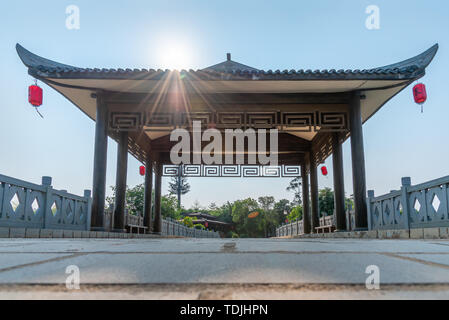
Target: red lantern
142, 170
419, 93
324, 170
35, 95
206, 224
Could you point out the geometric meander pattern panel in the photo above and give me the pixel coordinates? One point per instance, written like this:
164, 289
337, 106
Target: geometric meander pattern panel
245, 171
285, 121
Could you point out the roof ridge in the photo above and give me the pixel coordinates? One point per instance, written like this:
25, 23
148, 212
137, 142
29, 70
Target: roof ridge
231, 70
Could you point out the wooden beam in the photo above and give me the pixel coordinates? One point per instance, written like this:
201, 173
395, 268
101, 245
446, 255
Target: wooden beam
100, 162
230, 98
147, 219
120, 185
358, 163
339, 186
294, 158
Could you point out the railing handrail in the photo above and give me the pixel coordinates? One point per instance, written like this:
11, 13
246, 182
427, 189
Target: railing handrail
21, 183
429, 184
386, 196
55, 209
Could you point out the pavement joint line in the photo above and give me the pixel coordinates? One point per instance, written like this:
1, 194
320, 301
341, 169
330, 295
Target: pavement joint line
441, 244
35, 263
223, 252
425, 262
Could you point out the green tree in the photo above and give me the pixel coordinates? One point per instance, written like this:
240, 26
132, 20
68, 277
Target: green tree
266, 203
169, 207
326, 201
295, 214
223, 213
349, 203
295, 187
246, 227
178, 186
134, 198
188, 222
268, 221
282, 209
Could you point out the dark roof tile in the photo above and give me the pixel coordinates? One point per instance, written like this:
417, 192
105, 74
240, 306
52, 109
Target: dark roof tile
231, 70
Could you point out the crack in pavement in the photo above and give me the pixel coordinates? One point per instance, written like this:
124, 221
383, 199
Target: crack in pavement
41, 262
425, 262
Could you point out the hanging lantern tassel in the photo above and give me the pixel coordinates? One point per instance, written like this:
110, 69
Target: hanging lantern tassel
35, 95
420, 94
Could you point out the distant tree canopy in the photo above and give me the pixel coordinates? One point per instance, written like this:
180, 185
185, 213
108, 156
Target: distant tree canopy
134, 198
178, 186
295, 214
270, 213
326, 201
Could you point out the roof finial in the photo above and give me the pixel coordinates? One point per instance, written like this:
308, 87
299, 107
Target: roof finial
228, 56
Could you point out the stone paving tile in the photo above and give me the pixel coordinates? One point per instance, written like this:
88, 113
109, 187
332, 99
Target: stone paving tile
225, 260
229, 268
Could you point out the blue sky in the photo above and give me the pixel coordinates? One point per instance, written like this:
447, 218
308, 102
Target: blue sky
399, 140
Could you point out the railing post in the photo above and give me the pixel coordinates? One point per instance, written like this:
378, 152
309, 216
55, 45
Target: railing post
406, 183
368, 208
87, 196
46, 181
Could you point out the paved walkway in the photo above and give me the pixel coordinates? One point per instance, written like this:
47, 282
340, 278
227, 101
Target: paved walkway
224, 268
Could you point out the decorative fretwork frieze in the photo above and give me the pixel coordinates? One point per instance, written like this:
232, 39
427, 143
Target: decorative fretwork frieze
245, 171
284, 121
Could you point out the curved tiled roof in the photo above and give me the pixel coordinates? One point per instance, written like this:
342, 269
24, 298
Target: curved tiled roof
229, 70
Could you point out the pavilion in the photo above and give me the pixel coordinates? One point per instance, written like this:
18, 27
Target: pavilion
314, 111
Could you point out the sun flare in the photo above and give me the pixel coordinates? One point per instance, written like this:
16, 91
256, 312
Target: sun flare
174, 54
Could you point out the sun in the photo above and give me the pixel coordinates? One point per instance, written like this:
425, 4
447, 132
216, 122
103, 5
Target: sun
174, 54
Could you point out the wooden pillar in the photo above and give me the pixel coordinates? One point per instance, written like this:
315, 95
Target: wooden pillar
315, 217
100, 162
358, 163
157, 228
120, 182
147, 220
305, 200
339, 185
